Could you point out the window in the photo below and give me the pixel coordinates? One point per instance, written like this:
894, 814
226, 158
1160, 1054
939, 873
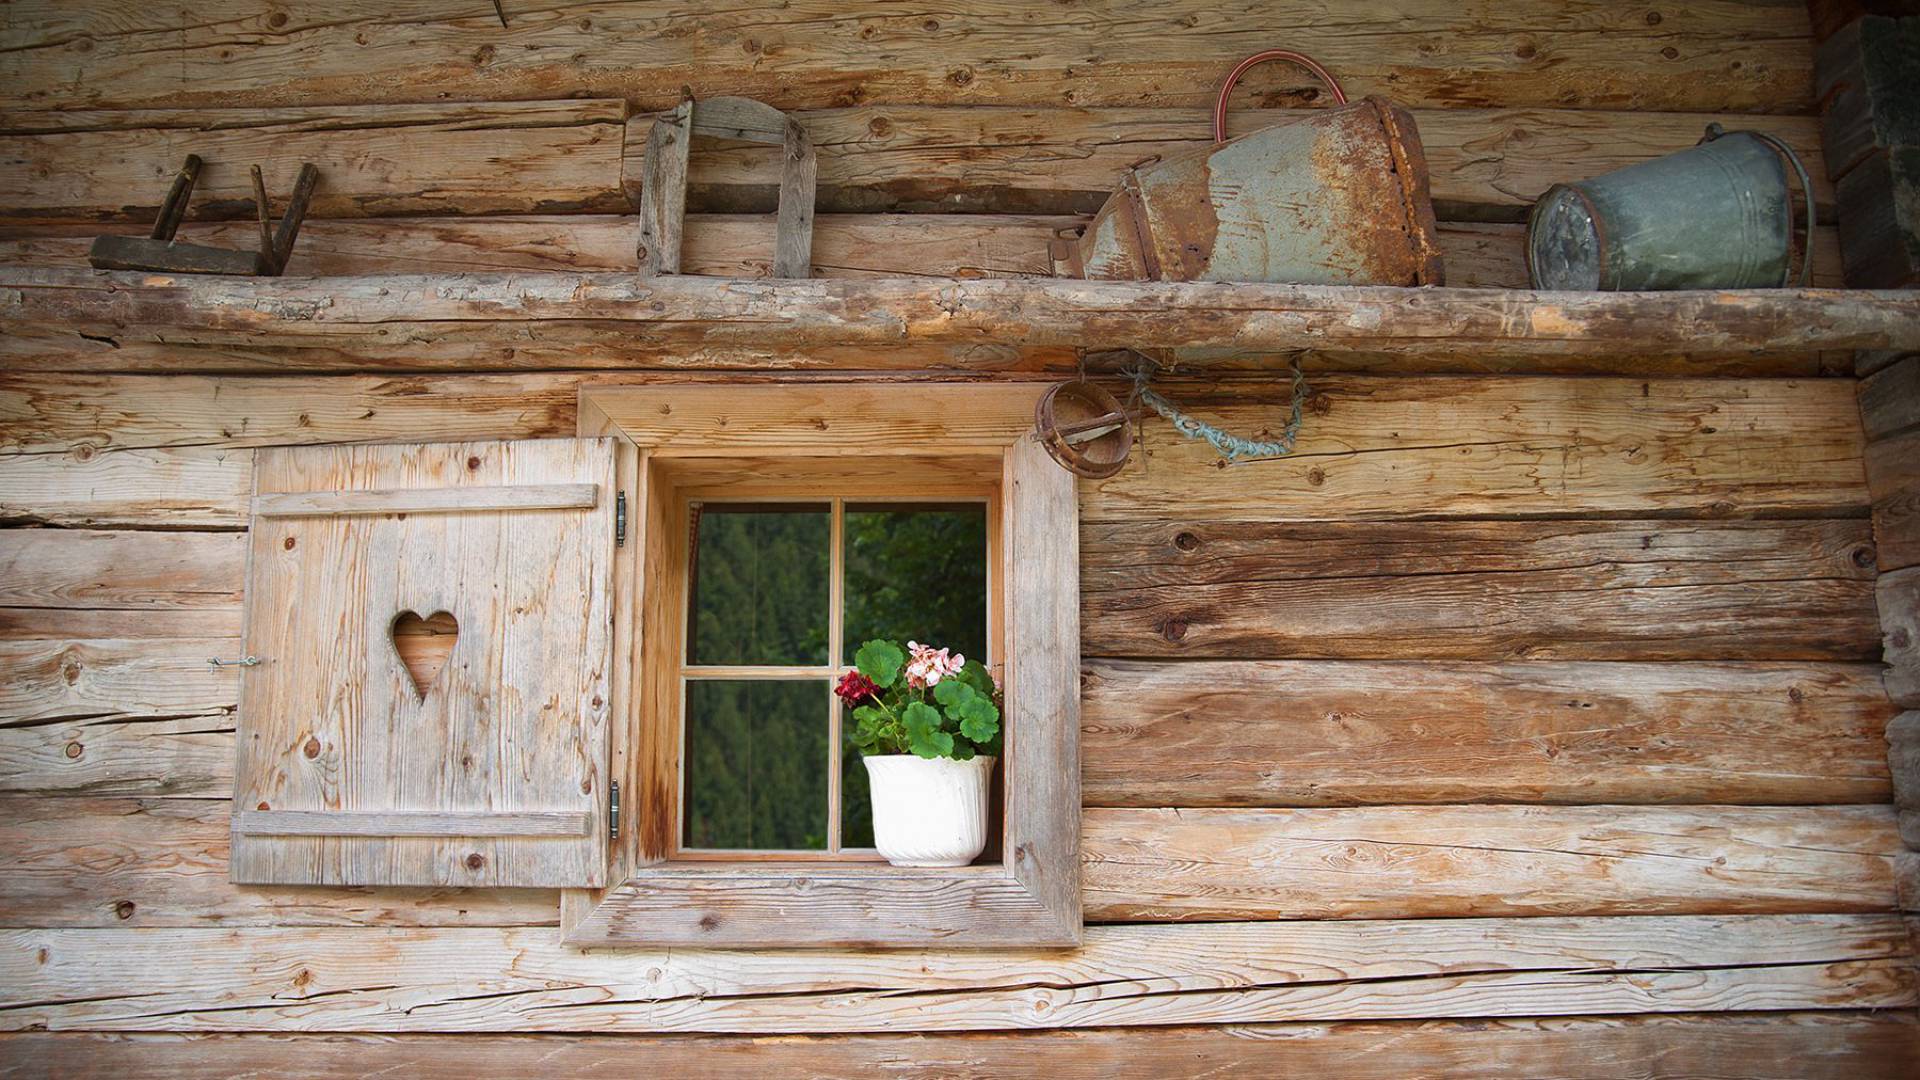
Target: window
780, 596
629, 642
779, 527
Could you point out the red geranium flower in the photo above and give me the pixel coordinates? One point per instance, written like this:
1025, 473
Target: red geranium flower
855, 688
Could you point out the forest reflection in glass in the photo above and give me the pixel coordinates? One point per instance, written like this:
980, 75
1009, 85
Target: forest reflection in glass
756, 759
917, 572
756, 755
759, 584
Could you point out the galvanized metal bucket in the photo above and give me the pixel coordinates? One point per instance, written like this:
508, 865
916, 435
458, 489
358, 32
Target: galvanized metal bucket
1329, 197
1716, 216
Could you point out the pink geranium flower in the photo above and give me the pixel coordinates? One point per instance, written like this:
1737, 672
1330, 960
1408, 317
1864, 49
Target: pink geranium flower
926, 665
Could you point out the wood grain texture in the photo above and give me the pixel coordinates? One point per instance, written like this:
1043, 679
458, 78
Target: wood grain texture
72, 568
1717, 55
189, 755
453, 500
1903, 759
1446, 447
190, 487
115, 678
163, 862
1777, 1046
1476, 254
1630, 590
1301, 733
456, 979
1899, 597
78, 857
823, 420
48, 308
1890, 399
461, 158
1893, 480
1482, 163
516, 722
1401, 862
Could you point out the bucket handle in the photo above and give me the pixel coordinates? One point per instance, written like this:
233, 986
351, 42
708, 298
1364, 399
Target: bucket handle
1233, 78
1715, 131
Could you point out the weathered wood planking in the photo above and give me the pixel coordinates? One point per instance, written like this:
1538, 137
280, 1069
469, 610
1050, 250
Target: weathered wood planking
460, 979
1298, 733
77, 861
514, 728
163, 862
1899, 598
1629, 590
469, 158
583, 156
190, 487
1410, 862
1477, 254
90, 679
1481, 163
1718, 55
1890, 399
1893, 479
115, 754
48, 310
66, 568
1723, 1046
1445, 447
1371, 447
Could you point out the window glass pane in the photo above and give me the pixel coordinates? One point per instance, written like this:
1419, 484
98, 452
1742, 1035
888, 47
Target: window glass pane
759, 584
756, 764
856, 805
917, 572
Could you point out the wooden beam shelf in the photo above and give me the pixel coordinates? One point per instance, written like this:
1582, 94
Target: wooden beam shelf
385, 316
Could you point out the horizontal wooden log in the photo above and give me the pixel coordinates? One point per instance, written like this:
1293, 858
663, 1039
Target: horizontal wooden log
121, 754
163, 862
1398, 862
1371, 447
1726, 1046
1446, 447
1477, 254
190, 487
1899, 598
76, 861
459, 158
578, 155
459, 979
1745, 57
1293, 733
1645, 590
41, 307
1893, 479
1890, 399
1284, 733
1482, 164
66, 568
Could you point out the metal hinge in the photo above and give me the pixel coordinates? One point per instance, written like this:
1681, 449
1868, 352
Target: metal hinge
620, 519
613, 810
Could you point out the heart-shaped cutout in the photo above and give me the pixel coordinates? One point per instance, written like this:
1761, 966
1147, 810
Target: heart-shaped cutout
424, 645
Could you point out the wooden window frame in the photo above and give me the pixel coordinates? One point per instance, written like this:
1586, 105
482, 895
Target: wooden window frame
767, 441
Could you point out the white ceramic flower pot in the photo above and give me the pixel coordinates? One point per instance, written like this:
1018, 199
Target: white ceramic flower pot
929, 811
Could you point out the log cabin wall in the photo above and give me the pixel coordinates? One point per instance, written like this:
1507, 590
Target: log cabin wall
1528, 720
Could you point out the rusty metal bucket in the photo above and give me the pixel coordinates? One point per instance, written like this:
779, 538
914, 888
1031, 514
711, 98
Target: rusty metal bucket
1329, 197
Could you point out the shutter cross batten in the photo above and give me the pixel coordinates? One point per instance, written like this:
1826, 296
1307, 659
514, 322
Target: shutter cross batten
437, 627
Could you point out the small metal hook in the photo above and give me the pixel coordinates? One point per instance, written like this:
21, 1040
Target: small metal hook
245, 661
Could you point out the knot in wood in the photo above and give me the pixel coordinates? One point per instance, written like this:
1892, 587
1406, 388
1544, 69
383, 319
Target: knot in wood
475, 860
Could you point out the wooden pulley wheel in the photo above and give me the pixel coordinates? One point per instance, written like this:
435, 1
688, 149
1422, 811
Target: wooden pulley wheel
1085, 428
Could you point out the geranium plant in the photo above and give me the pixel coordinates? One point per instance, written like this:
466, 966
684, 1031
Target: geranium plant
920, 700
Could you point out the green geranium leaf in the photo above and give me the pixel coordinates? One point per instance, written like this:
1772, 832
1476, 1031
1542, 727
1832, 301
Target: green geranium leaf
880, 661
962, 752
979, 720
953, 692
975, 674
924, 736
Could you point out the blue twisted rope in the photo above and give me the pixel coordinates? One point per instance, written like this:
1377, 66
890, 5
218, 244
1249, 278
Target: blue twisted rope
1225, 443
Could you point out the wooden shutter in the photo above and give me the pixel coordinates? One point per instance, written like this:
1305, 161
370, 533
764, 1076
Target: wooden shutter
495, 774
